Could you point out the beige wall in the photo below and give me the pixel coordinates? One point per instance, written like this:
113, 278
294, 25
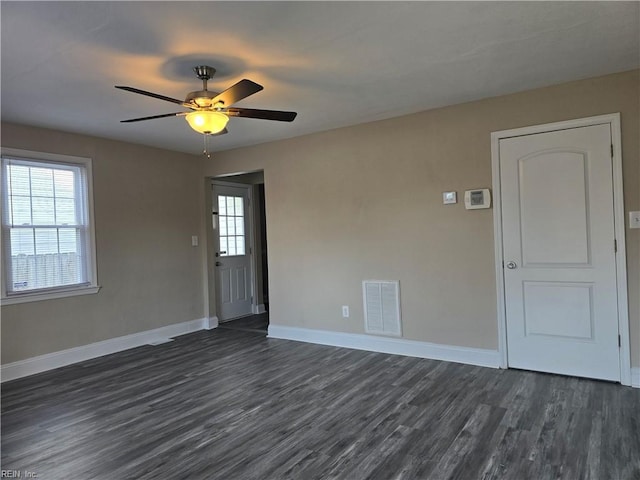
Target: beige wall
147, 206
364, 202
355, 203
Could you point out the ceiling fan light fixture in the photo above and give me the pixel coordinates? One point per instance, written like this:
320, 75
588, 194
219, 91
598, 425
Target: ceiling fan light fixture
207, 122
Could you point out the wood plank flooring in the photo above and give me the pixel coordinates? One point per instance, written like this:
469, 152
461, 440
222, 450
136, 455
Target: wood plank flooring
231, 404
253, 323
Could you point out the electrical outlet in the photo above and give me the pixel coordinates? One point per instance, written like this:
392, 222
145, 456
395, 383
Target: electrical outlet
634, 219
194, 240
345, 311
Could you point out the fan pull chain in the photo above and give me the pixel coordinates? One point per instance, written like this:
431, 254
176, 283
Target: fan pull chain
206, 146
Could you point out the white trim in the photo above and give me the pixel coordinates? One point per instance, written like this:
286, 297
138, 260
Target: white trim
564, 125
36, 297
613, 120
621, 255
258, 309
211, 323
50, 361
253, 249
394, 346
497, 245
220, 181
635, 377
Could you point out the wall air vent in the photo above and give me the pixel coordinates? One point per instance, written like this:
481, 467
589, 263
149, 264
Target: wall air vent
382, 307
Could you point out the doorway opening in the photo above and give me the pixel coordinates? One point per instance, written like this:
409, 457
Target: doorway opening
239, 270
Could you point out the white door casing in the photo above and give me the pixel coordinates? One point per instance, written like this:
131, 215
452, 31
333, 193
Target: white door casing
563, 301
232, 237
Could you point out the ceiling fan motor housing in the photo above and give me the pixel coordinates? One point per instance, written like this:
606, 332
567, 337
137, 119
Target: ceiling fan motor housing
200, 98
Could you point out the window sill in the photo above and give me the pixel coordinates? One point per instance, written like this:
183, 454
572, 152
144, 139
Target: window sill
36, 297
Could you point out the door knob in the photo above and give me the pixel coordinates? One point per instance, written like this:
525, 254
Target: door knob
218, 264
512, 265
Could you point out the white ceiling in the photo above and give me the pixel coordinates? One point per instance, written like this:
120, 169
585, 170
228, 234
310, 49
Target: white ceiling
335, 63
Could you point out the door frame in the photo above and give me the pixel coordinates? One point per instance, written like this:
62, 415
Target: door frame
251, 244
613, 120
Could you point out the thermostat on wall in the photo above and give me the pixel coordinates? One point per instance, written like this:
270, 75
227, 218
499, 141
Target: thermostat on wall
480, 198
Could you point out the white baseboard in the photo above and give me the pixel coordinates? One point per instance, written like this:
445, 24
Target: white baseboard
257, 309
211, 323
635, 377
396, 346
49, 361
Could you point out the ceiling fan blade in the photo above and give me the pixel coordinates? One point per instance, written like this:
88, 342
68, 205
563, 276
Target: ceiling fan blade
262, 114
237, 92
152, 117
150, 94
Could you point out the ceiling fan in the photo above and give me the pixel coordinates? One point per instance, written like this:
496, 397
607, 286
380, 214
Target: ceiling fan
210, 111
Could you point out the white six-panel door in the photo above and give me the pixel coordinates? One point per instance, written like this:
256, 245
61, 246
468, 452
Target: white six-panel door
559, 255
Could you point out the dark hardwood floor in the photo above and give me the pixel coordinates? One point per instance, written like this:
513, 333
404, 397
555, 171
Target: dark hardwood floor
253, 323
233, 404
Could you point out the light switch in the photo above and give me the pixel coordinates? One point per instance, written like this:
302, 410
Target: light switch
449, 197
634, 219
194, 240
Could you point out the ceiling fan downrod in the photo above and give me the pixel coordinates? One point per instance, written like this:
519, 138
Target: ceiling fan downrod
204, 73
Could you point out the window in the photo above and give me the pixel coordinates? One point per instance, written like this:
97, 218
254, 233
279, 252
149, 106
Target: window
47, 227
231, 216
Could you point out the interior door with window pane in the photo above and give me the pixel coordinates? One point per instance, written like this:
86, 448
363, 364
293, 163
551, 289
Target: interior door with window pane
233, 259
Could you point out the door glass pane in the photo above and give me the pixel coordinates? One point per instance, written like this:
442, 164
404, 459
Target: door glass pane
231, 218
239, 206
231, 244
222, 221
239, 245
222, 205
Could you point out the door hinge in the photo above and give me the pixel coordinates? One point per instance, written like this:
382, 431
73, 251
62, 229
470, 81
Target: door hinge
615, 245
612, 150
619, 342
